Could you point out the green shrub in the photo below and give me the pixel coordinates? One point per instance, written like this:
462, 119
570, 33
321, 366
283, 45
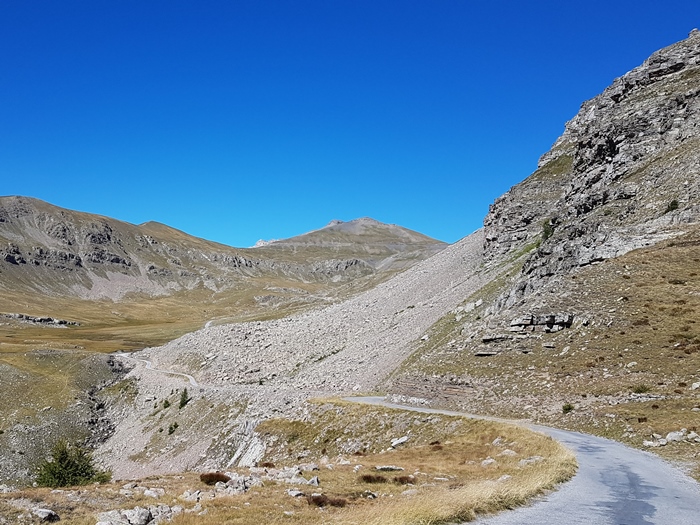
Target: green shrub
172, 428
673, 205
640, 389
547, 229
166, 403
69, 465
184, 398
568, 407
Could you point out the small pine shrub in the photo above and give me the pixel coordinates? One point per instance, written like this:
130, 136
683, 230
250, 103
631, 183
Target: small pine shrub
184, 398
172, 428
166, 403
673, 205
568, 407
547, 229
212, 478
69, 466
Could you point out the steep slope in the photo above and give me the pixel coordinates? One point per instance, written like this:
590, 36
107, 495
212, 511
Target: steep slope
596, 330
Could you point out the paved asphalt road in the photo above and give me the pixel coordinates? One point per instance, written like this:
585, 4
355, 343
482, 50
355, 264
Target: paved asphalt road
615, 485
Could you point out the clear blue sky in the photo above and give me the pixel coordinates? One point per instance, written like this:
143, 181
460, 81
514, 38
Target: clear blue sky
241, 120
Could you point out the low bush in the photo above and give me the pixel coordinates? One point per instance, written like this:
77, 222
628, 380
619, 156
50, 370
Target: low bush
321, 500
568, 407
640, 388
372, 478
212, 478
404, 480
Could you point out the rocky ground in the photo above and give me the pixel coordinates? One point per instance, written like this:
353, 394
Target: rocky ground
249, 371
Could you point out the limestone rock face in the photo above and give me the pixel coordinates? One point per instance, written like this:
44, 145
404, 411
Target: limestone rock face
623, 175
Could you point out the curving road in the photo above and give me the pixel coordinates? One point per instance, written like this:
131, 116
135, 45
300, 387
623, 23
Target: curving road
615, 485
149, 366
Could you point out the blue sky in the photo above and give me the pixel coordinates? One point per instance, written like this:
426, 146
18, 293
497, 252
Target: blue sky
241, 120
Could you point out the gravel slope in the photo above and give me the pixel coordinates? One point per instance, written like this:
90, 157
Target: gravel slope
272, 367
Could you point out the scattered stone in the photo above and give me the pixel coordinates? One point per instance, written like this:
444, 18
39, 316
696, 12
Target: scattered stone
295, 493
314, 481
138, 516
388, 468
398, 441
154, 493
675, 436
46, 515
488, 462
529, 461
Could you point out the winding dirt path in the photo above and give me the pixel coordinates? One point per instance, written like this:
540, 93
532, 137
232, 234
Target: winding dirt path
149, 366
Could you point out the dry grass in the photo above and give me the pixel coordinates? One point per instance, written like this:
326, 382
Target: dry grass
446, 482
627, 372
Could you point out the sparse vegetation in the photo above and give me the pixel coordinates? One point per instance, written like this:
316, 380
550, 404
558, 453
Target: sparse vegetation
547, 229
641, 388
68, 466
184, 399
172, 428
673, 205
568, 407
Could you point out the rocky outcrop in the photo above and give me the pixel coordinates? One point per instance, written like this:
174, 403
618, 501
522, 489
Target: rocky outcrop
622, 176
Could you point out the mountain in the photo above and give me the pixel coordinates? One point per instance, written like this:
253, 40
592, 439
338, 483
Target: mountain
575, 305
591, 323
93, 270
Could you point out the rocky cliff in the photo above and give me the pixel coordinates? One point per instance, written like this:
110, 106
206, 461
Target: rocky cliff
623, 175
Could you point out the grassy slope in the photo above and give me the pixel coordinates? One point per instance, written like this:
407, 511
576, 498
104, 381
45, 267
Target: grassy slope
626, 366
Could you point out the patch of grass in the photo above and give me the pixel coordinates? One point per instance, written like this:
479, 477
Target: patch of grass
641, 388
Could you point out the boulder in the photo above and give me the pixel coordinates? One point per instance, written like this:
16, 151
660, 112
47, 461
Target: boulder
46, 515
